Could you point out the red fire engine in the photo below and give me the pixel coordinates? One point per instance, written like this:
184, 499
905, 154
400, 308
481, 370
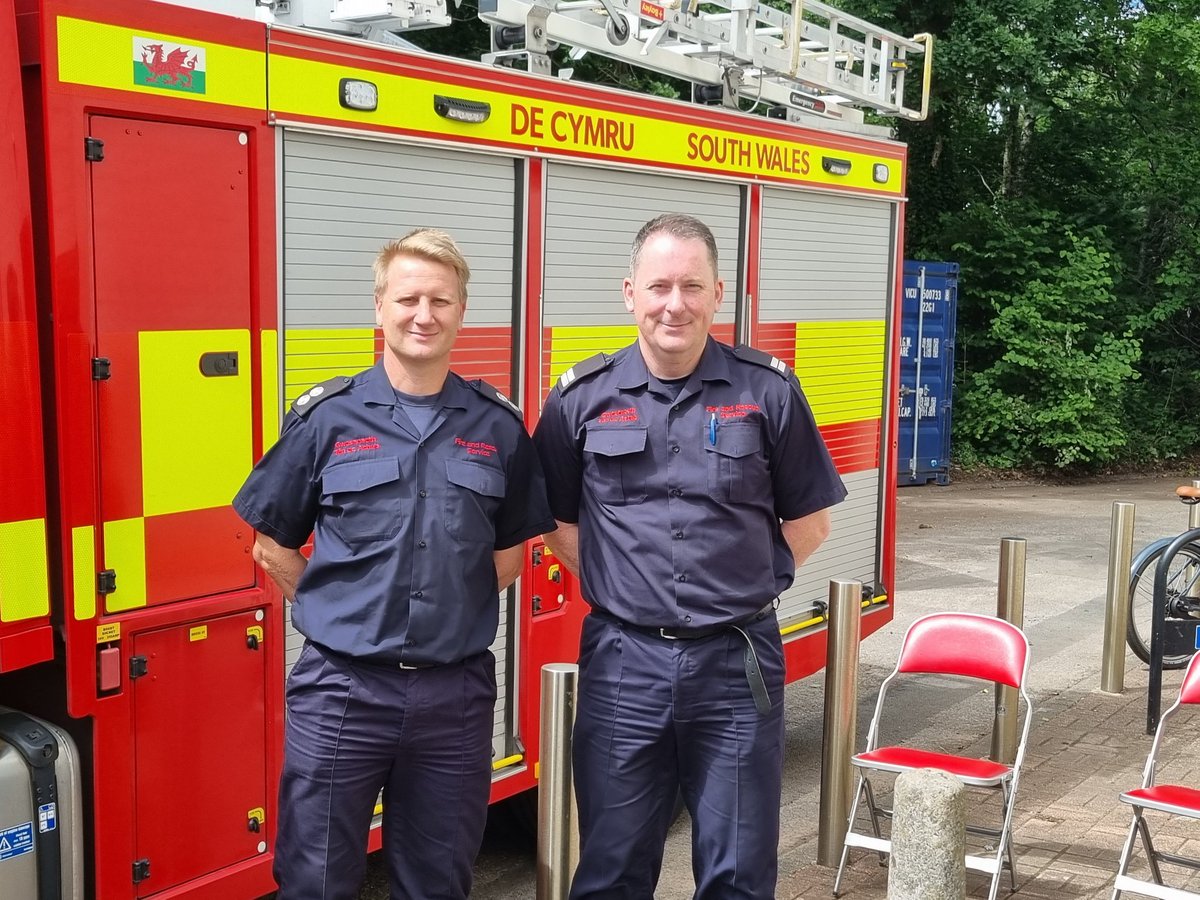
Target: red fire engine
191, 201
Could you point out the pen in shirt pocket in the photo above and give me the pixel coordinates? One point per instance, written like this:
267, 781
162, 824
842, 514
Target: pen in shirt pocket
712, 430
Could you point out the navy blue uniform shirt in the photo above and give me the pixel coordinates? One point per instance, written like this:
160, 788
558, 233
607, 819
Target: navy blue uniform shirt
678, 500
404, 527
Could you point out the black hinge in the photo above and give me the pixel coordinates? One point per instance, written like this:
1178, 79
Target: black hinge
93, 149
137, 666
106, 581
141, 870
101, 368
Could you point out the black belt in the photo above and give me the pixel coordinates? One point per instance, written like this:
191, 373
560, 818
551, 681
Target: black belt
754, 676
380, 662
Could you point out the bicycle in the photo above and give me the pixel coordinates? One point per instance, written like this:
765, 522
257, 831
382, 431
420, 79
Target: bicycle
1183, 592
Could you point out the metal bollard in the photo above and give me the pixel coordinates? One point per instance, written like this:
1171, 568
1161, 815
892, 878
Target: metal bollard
1116, 613
1010, 606
841, 718
558, 832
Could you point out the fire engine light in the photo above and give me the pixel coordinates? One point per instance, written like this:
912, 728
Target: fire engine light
355, 94
835, 166
471, 111
880, 173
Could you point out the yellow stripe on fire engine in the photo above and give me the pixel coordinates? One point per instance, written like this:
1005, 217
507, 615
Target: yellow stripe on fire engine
308, 88
197, 429
24, 576
102, 55
83, 571
125, 551
313, 355
570, 344
840, 366
269, 347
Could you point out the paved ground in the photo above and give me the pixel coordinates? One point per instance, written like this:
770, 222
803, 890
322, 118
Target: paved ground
1085, 746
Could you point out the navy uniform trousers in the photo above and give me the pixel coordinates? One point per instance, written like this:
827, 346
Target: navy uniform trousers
656, 716
422, 736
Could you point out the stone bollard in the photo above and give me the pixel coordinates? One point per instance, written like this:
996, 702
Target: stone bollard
929, 829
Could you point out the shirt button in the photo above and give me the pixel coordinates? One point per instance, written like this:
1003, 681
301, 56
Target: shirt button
421, 544
676, 492
681, 578
687, 618
422, 494
679, 535
410, 643
418, 594
675, 449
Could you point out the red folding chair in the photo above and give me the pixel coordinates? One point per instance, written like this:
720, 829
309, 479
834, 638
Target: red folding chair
1173, 799
965, 645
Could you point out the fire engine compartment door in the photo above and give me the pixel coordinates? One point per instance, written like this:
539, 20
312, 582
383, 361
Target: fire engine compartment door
171, 225
344, 197
199, 740
602, 210
825, 286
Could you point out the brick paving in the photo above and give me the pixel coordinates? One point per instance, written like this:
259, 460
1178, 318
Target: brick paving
1085, 748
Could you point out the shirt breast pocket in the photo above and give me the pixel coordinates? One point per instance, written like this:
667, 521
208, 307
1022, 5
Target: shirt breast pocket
360, 500
473, 495
615, 464
737, 468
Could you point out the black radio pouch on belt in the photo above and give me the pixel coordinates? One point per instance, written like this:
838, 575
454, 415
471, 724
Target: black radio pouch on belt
39, 748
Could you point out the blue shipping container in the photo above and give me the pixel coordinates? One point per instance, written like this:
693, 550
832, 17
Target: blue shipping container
926, 371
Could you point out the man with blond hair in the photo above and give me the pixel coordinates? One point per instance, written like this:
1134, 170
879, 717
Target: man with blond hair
419, 489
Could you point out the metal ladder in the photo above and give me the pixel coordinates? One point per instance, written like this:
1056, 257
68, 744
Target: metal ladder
815, 60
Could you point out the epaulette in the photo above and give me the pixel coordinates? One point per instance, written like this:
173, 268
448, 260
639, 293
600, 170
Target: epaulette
304, 404
762, 358
582, 370
496, 397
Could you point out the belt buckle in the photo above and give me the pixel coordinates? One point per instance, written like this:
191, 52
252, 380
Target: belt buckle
405, 667
670, 637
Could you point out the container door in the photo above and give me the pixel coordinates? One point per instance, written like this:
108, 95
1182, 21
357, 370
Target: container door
825, 279
926, 371
173, 297
343, 199
200, 731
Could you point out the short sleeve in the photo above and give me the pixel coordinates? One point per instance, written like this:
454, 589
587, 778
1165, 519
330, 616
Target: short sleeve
525, 512
561, 457
803, 475
280, 496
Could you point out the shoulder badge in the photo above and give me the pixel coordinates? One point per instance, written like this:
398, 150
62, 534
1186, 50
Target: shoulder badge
761, 358
582, 370
496, 397
304, 404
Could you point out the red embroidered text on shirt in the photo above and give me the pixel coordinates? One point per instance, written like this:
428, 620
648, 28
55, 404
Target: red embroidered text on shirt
734, 411
618, 415
475, 448
354, 445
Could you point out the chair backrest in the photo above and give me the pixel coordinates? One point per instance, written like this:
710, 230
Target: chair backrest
966, 644
1189, 691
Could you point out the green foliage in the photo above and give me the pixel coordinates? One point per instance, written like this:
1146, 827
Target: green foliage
1043, 376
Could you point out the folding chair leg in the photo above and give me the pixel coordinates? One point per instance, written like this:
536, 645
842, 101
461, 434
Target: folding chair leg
837, 882
1151, 854
874, 811
1007, 840
1126, 852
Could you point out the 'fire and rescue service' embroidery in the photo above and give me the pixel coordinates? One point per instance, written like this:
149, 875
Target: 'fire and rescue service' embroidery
176, 67
734, 411
475, 448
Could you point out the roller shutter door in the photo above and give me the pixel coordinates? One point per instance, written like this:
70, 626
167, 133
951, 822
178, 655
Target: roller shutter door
825, 285
343, 199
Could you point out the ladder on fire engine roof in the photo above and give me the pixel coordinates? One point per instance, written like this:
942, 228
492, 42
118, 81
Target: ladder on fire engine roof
815, 60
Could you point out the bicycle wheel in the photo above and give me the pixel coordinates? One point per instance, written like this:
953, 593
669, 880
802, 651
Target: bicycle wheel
1183, 577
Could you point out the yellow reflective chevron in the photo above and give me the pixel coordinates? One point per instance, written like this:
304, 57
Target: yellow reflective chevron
840, 366
24, 576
